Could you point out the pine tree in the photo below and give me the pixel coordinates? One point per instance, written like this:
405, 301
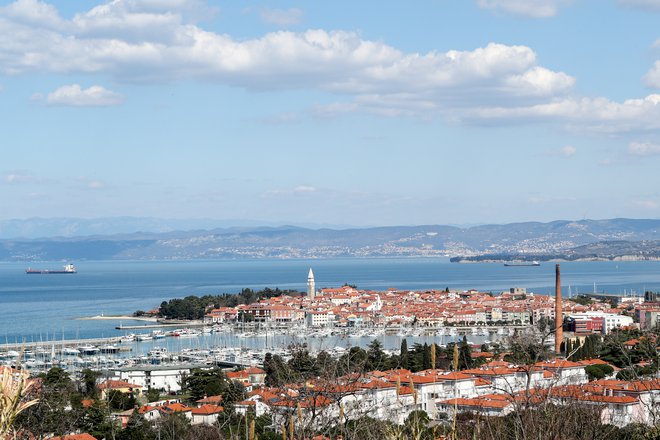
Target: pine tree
404, 354
465, 355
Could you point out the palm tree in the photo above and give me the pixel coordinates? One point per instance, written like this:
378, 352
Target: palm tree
15, 386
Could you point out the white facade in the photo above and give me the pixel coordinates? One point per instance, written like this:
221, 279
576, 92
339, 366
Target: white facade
311, 285
165, 379
319, 319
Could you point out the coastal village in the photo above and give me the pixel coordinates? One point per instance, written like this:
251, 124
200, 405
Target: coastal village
348, 307
492, 383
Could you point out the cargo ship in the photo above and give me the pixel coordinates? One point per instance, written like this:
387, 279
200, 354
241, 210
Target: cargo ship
69, 268
522, 263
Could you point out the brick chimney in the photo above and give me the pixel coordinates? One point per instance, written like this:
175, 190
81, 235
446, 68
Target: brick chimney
559, 319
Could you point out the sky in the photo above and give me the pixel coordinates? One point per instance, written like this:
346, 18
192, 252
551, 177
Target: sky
351, 113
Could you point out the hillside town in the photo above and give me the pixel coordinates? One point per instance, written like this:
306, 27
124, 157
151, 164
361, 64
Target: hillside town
604, 362
349, 307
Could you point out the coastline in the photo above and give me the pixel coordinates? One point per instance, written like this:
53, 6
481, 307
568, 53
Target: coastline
116, 318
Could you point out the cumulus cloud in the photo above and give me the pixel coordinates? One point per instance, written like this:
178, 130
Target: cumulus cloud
281, 17
589, 114
647, 5
154, 41
75, 96
652, 77
130, 42
643, 149
525, 8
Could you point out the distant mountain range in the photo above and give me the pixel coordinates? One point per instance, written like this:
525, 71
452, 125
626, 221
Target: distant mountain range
37, 227
589, 239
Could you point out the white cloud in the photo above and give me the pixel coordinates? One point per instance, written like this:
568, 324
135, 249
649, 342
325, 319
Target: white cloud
96, 184
304, 189
154, 41
74, 95
525, 8
132, 43
18, 177
281, 17
589, 114
567, 151
33, 12
643, 149
652, 77
647, 5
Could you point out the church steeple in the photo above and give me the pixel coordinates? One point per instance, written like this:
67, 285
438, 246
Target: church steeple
311, 285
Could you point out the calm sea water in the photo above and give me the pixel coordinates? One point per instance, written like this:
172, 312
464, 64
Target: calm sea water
40, 307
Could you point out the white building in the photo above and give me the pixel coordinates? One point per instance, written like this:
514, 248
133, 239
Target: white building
164, 378
311, 285
319, 318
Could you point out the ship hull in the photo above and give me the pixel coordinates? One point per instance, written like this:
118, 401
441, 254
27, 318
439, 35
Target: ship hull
46, 272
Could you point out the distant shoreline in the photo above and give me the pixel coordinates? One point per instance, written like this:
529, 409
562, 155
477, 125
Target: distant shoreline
545, 259
117, 317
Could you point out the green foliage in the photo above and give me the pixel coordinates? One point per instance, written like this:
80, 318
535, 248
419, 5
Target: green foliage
137, 428
583, 300
121, 401
598, 371
376, 357
152, 395
277, 371
96, 422
194, 307
403, 356
88, 380
52, 414
590, 349
202, 383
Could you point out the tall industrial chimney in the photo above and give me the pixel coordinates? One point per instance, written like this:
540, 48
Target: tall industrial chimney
559, 319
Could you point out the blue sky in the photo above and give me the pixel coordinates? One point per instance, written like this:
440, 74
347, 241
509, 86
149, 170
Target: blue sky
343, 112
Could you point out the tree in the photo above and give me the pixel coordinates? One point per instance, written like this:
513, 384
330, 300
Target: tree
277, 371
88, 383
14, 391
203, 432
152, 395
598, 371
403, 357
121, 401
173, 426
137, 428
464, 355
375, 356
202, 383
52, 414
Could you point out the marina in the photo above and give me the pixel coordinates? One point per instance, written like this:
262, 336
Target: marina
226, 345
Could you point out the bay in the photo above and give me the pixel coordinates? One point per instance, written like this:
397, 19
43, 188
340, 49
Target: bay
41, 307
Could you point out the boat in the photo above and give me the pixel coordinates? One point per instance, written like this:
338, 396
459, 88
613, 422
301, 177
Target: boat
522, 263
69, 268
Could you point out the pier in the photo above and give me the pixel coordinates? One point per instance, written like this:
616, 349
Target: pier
160, 325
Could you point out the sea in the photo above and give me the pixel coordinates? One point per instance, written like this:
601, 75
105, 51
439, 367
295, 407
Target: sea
49, 307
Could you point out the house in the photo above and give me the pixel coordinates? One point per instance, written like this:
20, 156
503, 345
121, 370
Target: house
83, 436
160, 377
118, 385
248, 377
206, 414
